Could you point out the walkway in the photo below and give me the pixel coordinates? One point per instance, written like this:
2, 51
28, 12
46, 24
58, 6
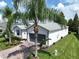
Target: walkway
18, 52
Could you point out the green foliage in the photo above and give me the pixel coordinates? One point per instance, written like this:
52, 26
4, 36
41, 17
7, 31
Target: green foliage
74, 24
43, 42
7, 12
59, 18
75, 17
36, 9
5, 45
16, 38
70, 22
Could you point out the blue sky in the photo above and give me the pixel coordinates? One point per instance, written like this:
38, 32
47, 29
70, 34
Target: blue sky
9, 3
52, 2
68, 7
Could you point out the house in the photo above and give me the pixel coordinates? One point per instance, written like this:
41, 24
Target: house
47, 30
2, 27
2, 24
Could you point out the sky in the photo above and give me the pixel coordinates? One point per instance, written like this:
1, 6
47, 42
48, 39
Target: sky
68, 7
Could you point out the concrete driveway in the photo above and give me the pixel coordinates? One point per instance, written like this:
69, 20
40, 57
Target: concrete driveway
18, 52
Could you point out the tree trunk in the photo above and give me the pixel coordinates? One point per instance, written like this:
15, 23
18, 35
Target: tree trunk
10, 38
36, 36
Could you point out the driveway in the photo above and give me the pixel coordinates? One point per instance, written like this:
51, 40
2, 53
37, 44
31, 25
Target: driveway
18, 52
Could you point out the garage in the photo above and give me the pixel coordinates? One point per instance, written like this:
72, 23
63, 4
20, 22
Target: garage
40, 37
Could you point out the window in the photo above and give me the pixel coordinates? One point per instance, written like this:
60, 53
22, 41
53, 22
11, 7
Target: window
18, 32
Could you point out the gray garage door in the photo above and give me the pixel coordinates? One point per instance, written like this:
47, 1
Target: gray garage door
40, 37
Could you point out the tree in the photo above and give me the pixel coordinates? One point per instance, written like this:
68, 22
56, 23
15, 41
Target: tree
35, 11
43, 41
8, 14
62, 19
70, 24
75, 17
74, 24
59, 18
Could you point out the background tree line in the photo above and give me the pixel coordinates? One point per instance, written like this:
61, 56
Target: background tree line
74, 24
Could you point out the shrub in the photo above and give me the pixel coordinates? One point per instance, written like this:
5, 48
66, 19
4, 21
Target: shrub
16, 38
69, 32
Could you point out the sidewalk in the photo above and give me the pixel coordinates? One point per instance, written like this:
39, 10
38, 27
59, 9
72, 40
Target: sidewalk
18, 52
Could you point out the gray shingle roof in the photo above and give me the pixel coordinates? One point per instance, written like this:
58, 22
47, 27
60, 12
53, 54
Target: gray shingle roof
50, 25
22, 26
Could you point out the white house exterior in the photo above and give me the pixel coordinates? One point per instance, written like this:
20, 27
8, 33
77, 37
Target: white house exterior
55, 36
20, 31
47, 30
2, 27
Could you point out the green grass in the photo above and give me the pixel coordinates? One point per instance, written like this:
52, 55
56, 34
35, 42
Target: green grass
4, 44
68, 48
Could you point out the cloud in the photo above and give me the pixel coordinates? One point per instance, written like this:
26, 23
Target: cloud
72, 1
2, 4
71, 10
68, 10
68, 7
12, 3
59, 6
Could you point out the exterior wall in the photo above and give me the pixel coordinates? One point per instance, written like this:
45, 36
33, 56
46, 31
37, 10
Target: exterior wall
23, 33
15, 31
41, 31
55, 36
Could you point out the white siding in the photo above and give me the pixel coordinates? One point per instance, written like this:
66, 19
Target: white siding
24, 34
55, 36
15, 31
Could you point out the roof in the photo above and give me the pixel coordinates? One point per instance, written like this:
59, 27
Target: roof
22, 26
49, 25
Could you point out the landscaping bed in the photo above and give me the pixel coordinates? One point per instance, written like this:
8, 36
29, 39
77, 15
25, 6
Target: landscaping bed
4, 44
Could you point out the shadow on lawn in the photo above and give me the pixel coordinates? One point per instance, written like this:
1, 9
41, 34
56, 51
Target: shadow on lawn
45, 52
77, 35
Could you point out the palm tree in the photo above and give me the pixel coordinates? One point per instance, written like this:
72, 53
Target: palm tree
35, 11
8, 14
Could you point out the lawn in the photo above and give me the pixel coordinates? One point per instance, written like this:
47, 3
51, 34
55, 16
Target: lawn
67, 48
4, 44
